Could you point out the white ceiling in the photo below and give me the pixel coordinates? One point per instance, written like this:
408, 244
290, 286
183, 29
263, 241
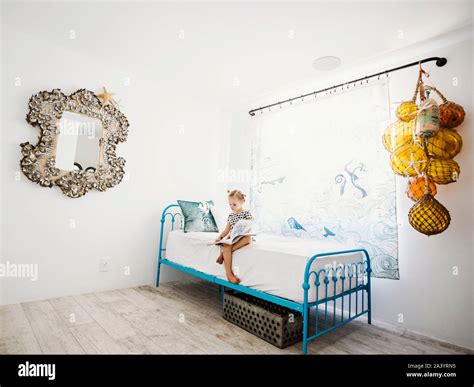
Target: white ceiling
255, 46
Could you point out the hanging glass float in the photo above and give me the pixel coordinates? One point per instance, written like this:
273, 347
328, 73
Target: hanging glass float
445, 144
451, 115
407, 111
397, 134
409, 160
422, 144
443, 171
429, 216
417, 187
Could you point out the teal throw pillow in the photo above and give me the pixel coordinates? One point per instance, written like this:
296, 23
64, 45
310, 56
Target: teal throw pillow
198, 216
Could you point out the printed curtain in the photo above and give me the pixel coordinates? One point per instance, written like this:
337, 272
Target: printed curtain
320, 171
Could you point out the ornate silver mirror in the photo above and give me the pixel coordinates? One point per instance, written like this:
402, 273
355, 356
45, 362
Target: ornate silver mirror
77, 141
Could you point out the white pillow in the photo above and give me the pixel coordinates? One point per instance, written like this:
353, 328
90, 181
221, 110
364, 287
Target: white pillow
220, 216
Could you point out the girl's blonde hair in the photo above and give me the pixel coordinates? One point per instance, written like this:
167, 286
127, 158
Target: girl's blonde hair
237, 194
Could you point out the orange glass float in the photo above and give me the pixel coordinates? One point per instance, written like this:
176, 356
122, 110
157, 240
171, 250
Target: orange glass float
417, 188
451, 115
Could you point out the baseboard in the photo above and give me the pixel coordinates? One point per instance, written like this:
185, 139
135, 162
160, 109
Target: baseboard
408, 333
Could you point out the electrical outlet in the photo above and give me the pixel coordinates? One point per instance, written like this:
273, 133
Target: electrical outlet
104, 264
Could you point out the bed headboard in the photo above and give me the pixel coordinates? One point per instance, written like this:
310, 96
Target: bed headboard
171, 212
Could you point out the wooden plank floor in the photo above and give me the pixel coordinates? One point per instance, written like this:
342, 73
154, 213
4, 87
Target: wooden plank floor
176, 318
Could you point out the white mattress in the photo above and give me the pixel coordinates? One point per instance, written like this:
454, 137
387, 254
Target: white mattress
271, 264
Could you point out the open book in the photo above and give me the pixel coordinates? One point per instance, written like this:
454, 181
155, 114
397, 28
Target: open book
241, 228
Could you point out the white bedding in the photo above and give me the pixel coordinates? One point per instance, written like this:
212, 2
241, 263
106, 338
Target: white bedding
272, 264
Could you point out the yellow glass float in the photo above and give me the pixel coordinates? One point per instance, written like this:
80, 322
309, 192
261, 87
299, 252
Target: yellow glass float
443, 171
429, 216
409, 160
407, 111
445, 144
417, 187
397, 134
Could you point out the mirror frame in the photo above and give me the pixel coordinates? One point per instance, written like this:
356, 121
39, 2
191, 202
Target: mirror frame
38, 162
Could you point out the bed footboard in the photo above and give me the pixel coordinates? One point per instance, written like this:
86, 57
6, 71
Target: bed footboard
345, 284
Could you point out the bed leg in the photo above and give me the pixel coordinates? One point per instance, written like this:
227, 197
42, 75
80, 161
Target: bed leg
369, 312
158, 274
160, 249
369, 294
305, 330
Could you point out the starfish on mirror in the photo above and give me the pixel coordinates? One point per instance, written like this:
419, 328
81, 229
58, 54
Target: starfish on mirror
106, 98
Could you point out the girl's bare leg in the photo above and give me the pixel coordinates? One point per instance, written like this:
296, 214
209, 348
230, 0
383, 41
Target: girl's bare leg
220, 258
244, 241
237, 245
227, 252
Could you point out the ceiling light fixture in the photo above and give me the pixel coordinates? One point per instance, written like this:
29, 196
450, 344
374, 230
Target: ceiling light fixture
326, 63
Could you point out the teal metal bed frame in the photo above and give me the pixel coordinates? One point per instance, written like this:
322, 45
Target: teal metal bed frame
359, 272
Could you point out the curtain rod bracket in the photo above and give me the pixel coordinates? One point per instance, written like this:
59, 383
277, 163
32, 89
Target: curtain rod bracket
441, 62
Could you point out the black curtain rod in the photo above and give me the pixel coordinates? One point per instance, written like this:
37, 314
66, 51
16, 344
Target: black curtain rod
440, 62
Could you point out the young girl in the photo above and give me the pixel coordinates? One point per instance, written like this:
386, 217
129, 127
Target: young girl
236, 202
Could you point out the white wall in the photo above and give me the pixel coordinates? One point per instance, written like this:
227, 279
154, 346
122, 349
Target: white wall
429, 298
179, 104
171, 151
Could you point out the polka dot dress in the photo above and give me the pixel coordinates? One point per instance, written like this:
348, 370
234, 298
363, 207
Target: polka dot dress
235, 217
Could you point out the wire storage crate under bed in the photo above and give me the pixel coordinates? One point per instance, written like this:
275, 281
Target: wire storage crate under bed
276, 324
